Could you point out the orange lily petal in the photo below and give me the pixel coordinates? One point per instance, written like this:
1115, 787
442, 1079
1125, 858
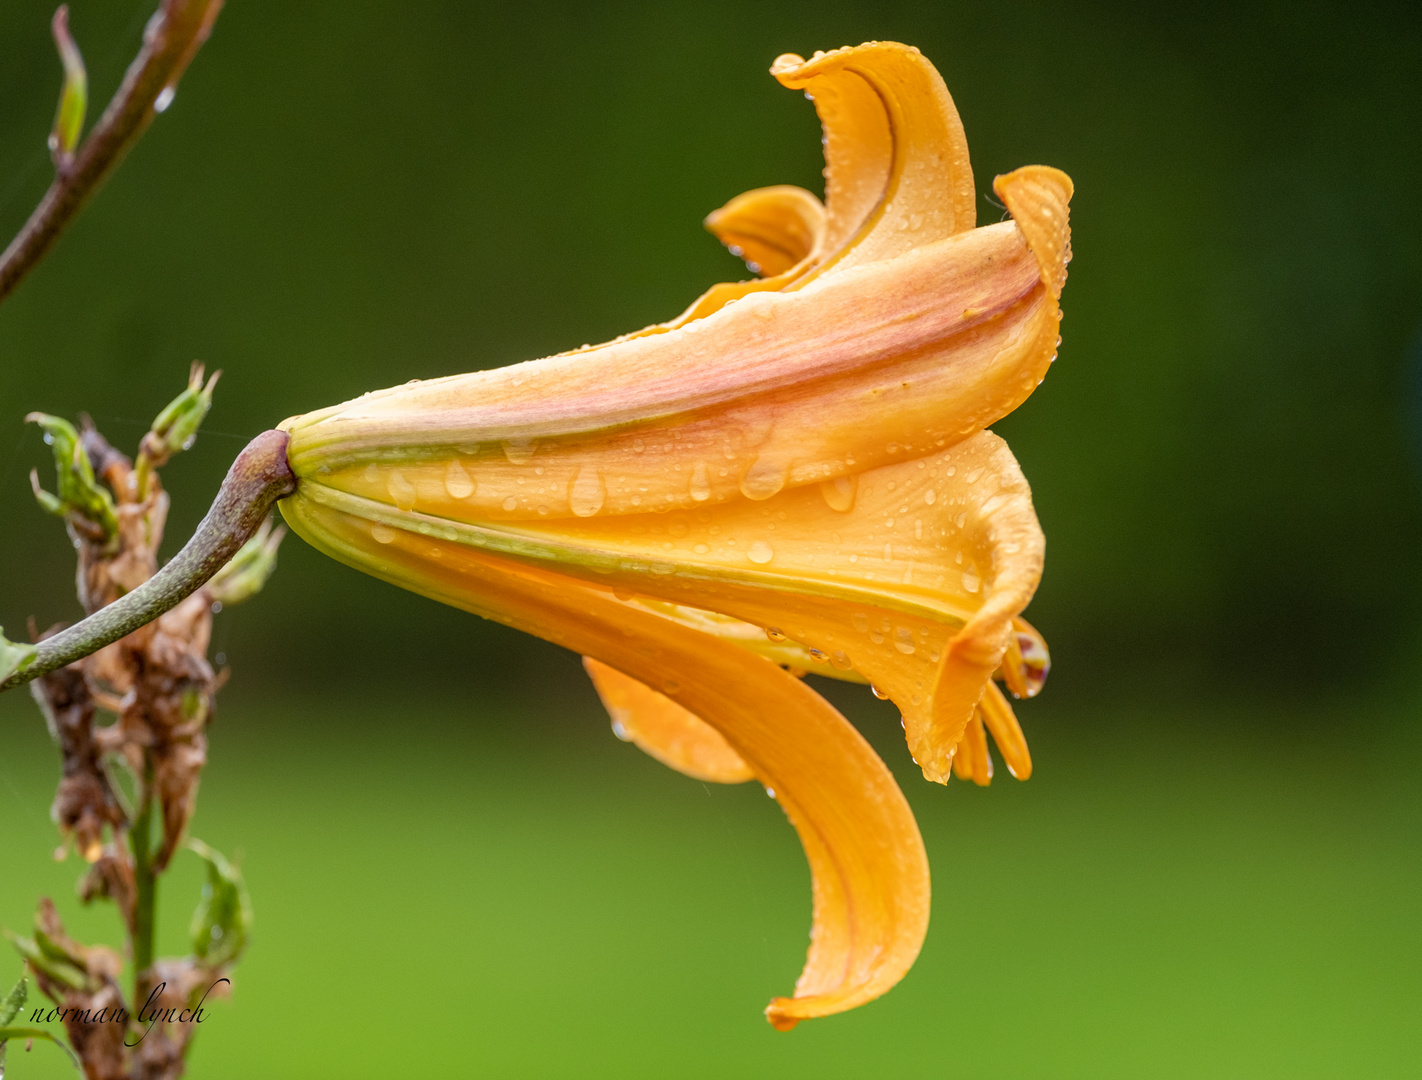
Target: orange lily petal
972, 761
664, 730
915, 586
996, 712
867, 862
897, 171
773, 228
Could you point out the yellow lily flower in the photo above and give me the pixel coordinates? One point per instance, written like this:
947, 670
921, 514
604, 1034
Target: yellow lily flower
795, 473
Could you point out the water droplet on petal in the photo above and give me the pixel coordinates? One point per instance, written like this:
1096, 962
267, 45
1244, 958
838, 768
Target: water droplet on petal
774, 634
818, 656
588, 492
930, 496
700, 485
510, 503
402, 492
840, 659
372, 474
760, 552
861, 622
381, 535
839, 493
519, 451
903, 640
764, 478
878, 693
457, 482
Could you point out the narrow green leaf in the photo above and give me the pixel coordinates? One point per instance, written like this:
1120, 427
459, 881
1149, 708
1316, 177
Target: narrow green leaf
222, 922
73, 98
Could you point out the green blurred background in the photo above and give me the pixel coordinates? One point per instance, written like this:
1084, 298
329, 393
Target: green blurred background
457, 871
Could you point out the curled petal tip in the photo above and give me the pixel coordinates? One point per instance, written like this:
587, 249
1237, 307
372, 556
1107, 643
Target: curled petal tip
1038, 197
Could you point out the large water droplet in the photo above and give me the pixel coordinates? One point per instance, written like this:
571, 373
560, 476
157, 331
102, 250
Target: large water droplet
903, 640
402, 492
840, 659
878, 693
774, 634
930, 496
700, 485
760, 552
764, 478
457, 482
839, 493
381, 535
588, 492
519, 451
511, 503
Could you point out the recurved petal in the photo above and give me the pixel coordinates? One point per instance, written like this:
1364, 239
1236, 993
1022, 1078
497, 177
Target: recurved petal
864, 367
897, 174
772, 228
868, 866
1038, 197
996, 713
972, 761
663, 729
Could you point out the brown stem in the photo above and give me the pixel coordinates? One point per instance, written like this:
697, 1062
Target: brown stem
258, 478
173, 35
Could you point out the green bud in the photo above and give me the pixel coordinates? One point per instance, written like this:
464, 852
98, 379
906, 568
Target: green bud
65, 974
222, 922
177, 425
80, 495
73, 98
14, 656
244, 576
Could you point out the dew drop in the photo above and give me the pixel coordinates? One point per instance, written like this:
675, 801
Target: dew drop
764, 478
972, 476
588, 493
700, 485
861, 622
372, 474
930, 496
701, 549
770, 791
519, 451
457, 482
774, 634
164, 99
620, 731
903, 640
840, 659
381, 535
818, 656
402, 492
510, 503
839, 493
971, 581
760, 552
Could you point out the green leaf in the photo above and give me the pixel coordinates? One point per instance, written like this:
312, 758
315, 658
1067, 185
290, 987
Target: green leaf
222, 922
73, 98
14, 1001
14, 656
36, 1033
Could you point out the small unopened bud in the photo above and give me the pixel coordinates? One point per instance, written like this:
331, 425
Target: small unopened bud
73, 97
81, 501
176, 426
244, 576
